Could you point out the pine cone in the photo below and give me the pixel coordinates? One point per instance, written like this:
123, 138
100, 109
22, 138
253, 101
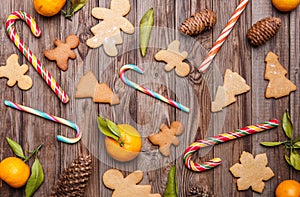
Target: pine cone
199, 22
74, 179
199, 191
263, 30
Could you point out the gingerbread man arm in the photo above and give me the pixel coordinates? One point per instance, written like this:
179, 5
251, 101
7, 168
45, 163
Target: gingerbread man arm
175, 141
163, 55
126, 26
102, 13
11, 82
6, 72
157, 138
71, 54
112, 178
2, 68
58, 42
159, 56
51, 53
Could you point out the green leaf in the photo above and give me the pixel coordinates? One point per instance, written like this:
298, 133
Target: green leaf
113, 127
296, 145
271, 143
146, 25
295, 160
36, 178
297, 139
287, 159
16, 148
103, 128
77, 5
287, 125
171, 189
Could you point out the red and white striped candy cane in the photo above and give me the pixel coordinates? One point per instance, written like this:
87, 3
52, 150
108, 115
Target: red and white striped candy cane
224, 137
223, 36
36, 63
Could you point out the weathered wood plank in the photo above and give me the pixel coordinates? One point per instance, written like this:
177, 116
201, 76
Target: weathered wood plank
294, 68
197, 96
263, 108
144, 112
151, 113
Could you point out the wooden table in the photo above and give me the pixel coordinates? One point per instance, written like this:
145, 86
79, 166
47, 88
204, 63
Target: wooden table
144, 112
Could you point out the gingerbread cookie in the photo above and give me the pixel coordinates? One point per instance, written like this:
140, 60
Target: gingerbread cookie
278, 85
88, 86
174, 59
234, 85
126, 187
107, 32
252, 172
167, 136
16, 73
63, 51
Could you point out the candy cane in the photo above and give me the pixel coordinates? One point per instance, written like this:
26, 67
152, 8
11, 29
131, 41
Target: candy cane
39, 67
145, 90
220, 139
49, 117
223, 36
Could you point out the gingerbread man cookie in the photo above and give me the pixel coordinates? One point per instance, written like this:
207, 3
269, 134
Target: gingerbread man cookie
16, 73
63, 51
107, 32
174, 59
126, 187
167, 136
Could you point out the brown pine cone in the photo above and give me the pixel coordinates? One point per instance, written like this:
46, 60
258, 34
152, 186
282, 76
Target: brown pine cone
199, 191
74, 179
199, 22
263, 30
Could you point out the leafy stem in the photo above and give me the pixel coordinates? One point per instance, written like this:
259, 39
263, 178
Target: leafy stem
291, 155
37, 174
34, 152
110, 129
72, 7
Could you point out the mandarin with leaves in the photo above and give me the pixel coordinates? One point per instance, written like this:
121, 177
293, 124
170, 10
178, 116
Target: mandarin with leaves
123, 142
132, 144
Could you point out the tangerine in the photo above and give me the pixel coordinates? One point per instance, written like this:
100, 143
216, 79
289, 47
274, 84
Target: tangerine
132, 144
288, 188
48, 7
14, 172
285, 5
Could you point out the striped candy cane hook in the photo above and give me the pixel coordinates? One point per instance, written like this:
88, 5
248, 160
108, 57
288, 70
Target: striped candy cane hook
231, 135
145, 90
49, 117
36, 63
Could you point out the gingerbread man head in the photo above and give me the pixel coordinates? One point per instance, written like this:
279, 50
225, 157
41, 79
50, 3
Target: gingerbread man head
121, 7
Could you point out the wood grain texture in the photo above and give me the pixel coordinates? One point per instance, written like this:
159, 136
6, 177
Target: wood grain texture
142, 111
